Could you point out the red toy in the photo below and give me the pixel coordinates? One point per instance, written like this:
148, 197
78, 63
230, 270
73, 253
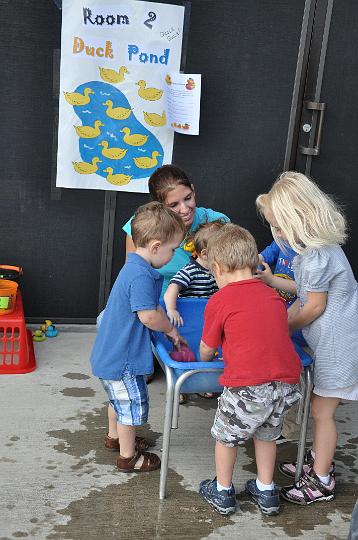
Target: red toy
184, 355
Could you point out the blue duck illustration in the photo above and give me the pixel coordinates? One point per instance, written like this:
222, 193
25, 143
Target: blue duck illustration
111, 132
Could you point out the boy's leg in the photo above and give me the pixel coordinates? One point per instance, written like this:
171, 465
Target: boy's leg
112, 423
265, 452
225, 458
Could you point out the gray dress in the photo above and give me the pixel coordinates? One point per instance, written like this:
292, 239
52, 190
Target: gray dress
334, 335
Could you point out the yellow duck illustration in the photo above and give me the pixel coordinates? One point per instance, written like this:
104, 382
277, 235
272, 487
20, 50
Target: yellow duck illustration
117, 179
154, 119
75, 98
82, 167
151, 94
112, 76
118, 113
146, 162
89, 132
133, 140
168, 79
112, 153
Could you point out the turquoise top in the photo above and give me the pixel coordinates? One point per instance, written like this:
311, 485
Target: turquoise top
181, 257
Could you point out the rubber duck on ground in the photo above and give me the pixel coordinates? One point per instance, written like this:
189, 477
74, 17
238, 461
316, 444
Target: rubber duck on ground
112, 153
38, 335
46, 324
146, 162
151, 94
89, 132
118, 113
83, 167
117, 179
112, 76
137, 139
76, 98
51, 331
154, 119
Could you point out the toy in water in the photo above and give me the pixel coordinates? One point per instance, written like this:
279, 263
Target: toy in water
38, 335
117, 113
112, 76
112, 153
51, 331
151, 94
117, 179
82, 167
89, 132
136, 139
154, 119
75, 98
146, 162
184, 355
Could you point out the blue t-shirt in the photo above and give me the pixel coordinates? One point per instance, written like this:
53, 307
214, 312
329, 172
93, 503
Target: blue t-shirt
122, 340
282, 261
182, 257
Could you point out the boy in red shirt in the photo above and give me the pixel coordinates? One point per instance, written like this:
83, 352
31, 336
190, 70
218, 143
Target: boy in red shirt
261, 368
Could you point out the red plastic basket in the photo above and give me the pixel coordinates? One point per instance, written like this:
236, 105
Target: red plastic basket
16, 347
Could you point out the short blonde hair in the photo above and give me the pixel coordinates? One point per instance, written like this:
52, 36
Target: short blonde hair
201, 237
233, 248
153, 221
309, 218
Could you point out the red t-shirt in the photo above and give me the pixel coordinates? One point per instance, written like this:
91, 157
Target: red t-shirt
249, 320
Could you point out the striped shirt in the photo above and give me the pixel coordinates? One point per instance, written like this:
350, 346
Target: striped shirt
195, 280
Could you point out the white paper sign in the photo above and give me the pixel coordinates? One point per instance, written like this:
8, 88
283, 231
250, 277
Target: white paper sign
183, 93
113, 127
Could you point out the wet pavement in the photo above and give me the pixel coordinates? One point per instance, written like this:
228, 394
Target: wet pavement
58, 481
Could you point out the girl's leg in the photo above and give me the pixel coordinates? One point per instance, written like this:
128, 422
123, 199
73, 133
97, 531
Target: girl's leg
265, 452
324, 432
225, 458
112, 423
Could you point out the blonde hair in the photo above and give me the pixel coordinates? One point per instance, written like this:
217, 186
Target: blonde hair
153, 221
309, 218
233, 248
204, 232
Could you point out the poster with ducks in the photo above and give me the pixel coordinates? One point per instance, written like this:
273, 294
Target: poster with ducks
113, 128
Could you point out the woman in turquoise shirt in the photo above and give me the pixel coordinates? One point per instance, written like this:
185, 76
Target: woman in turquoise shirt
171, 186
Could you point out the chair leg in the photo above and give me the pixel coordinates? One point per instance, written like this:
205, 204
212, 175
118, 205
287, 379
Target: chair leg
303, 431
166, 432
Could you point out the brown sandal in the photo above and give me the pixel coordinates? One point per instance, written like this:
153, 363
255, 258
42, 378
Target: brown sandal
110, 443
151, 462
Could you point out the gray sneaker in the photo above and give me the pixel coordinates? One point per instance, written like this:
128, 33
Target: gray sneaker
224, 501
268, 501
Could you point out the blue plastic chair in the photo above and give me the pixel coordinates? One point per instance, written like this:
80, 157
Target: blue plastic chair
194, 377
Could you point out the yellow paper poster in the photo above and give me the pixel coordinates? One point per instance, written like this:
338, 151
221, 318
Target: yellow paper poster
113, 127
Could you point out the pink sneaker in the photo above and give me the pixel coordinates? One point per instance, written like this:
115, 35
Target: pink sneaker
289, 469
309, 489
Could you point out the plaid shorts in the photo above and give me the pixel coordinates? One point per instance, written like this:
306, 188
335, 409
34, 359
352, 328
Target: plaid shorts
253, 411
129, 398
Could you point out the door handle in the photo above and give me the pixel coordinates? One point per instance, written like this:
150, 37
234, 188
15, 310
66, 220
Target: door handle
321, 108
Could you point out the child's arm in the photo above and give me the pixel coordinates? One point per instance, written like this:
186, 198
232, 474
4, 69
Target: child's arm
313, 308
287, 285
170, 299
206, 353
156, 319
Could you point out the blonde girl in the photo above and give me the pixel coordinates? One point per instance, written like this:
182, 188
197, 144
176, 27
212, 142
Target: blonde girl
301, 215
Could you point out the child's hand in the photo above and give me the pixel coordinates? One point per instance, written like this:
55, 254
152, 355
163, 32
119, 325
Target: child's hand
176, 338
174, 317
265, 275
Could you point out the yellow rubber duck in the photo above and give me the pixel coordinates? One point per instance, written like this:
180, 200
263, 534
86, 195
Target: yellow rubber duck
146, 162
112, 153
151, 94
89, 132
154, 119
118, 113
117, 179
133, 140
112, 76
82, 167
75, 98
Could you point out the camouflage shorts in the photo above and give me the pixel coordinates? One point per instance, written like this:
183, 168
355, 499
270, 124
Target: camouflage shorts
253, 411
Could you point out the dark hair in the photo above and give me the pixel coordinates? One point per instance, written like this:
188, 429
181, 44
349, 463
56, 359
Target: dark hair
166, 178
153, 221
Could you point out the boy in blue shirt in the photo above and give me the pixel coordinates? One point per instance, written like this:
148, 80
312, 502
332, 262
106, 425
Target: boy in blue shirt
122, 355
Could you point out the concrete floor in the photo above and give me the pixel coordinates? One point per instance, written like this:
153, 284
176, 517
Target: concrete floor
58, 481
